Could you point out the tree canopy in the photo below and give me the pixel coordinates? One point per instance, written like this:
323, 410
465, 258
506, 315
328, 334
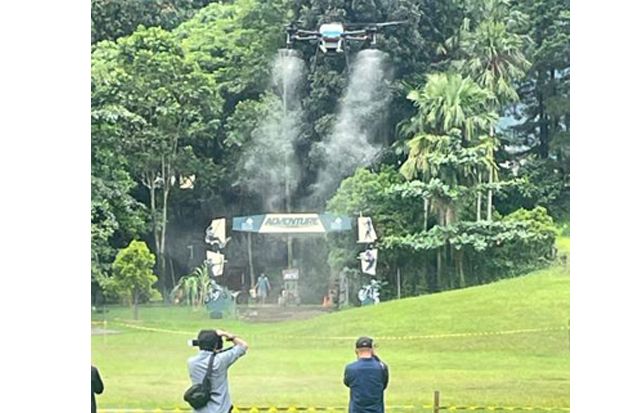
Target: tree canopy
470, 153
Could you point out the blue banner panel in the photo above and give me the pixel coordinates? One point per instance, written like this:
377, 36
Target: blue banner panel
250, 223
335, 222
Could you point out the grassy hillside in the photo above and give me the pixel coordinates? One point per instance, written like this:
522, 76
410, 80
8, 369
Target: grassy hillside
504, 344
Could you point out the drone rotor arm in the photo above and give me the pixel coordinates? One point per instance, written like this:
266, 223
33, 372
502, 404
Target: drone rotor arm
308, 33
358, 38
313, 37
354, 33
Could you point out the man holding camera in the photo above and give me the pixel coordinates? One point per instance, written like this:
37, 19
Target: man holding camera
210, 344
366, 378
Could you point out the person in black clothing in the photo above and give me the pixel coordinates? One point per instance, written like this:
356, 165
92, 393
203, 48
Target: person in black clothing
367, 378
96, 386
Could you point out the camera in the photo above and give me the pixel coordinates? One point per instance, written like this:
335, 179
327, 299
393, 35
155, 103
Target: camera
207, 340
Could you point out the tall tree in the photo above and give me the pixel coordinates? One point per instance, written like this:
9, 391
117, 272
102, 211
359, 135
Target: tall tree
490, 48
545, 93
116, 216
177, 106
447, 102
449, 130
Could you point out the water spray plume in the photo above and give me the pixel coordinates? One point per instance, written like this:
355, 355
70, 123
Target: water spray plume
270, 165
354, 140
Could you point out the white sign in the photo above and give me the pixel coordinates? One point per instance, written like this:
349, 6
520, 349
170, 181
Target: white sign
215, 263
369, 261
216, 233
292, 224
290, 274
365, 231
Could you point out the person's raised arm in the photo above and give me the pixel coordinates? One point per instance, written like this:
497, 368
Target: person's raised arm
237, 341
231, 355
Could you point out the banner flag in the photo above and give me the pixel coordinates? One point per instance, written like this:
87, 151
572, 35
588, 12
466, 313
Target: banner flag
365, 231
216, 233
369, 261
215, 263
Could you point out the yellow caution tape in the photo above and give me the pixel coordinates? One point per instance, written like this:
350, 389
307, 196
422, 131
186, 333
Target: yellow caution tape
291, 409
348, 338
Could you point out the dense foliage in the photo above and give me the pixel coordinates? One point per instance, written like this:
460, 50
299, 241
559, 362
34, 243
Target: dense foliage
472, 173
132, 275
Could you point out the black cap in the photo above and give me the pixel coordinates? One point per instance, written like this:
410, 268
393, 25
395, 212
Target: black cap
364, 342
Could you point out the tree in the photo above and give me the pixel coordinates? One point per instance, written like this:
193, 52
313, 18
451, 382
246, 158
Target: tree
133, 274
111, 19
545, 92
177, 108
116, 216
490, 48
365, 192
447, 102
449, 149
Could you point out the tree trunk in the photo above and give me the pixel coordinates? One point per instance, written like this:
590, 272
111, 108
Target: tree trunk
135, 298
490, 191
438, 280
543, 148
151, 185
479, 200
426, 213
490, 200
162, 243
460, 268
150, 182
172, 275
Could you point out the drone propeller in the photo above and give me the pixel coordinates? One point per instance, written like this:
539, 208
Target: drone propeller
375, 25
394, 23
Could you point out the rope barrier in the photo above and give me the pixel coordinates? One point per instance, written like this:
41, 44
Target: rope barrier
349, 338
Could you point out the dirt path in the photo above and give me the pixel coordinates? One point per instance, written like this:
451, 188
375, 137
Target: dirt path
270, 313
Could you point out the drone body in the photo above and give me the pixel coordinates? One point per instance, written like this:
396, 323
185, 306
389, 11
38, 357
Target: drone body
333, 37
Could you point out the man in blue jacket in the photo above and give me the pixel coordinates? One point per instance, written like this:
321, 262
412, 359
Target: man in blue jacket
366, 378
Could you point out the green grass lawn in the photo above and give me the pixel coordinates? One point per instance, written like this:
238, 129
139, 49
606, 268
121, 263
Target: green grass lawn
433, 342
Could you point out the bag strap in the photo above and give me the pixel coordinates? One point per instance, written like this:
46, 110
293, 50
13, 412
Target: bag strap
209, 370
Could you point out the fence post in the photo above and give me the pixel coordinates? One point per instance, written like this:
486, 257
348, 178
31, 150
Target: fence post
436, 402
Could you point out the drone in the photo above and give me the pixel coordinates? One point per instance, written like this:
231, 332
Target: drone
332, 37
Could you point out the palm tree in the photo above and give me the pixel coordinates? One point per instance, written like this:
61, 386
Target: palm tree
492, 55
452, 114
446, 103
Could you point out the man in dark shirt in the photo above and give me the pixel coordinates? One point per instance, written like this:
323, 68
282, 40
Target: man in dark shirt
96, 386
366, 378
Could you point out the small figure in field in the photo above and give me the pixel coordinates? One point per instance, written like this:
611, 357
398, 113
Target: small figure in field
263, 287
